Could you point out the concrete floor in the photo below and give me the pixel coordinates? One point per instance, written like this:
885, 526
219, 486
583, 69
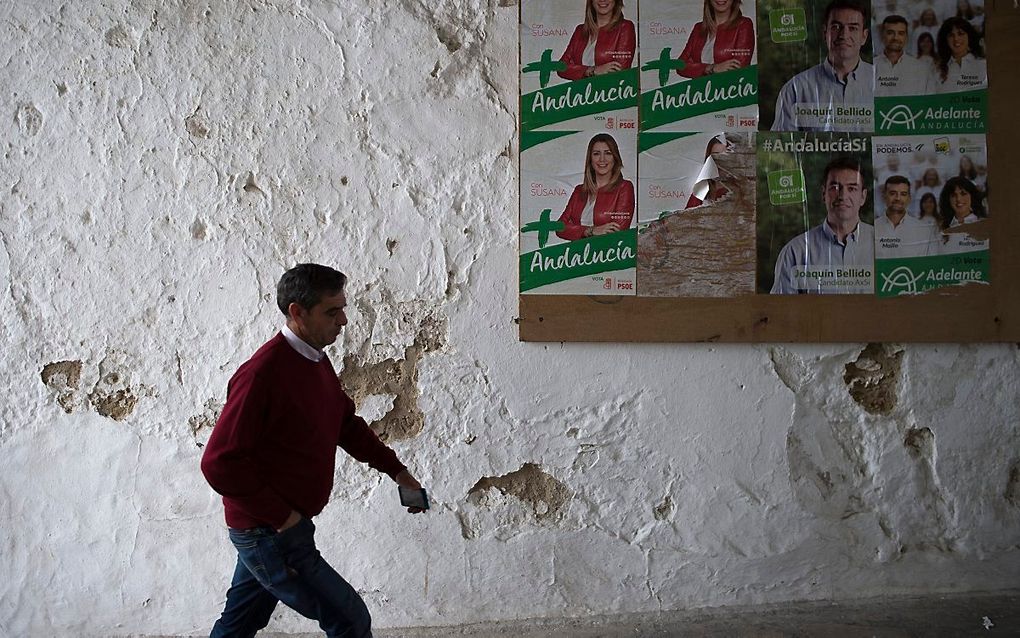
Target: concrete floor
886, 617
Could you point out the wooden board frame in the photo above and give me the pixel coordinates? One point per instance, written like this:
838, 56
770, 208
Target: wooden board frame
970, 313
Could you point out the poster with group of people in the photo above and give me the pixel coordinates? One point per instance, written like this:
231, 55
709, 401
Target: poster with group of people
728, 147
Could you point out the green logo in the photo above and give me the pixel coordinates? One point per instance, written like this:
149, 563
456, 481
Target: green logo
544, 67
964, 112
543, 227
786, 187
788, 25
913, 275
664, 65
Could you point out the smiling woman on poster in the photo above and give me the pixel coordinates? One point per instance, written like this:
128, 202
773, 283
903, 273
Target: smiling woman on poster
722, 41
960, 63
603, 43
960, 203
604, 202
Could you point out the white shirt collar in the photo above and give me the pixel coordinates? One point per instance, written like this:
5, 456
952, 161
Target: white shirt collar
302, 348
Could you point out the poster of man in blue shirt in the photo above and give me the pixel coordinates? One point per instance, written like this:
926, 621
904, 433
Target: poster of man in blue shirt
836, 94
838, 255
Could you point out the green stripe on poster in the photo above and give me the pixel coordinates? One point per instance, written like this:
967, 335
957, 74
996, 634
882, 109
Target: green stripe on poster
702, 95
599, 94
579, 258
965, 112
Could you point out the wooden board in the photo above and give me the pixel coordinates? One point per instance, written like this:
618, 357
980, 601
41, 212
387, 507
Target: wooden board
972, 313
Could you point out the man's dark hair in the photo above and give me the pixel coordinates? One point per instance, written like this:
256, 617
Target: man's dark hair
841, 163
307, 284
895, 19
897, 179
853, 5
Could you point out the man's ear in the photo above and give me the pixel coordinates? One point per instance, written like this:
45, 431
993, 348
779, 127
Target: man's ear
295, 311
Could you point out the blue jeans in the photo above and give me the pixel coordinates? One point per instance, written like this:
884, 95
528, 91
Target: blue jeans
286, 566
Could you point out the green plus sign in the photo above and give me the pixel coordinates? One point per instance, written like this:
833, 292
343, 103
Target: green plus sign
543, 226
544, 67
664, 64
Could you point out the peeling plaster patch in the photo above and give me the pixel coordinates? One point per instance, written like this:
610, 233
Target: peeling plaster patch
29, 119
118, 37
545, 495
116, 405
920, 443
63, 377
61, 88
397, 378
391, 245
1013, 485
196, 126
112, 395
871, 379
207, 419
449, 38
664, 510
789, 368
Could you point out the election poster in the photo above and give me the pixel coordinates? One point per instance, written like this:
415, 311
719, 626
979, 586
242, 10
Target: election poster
696, 235
699, 66
578, 212
579, 99
570, 80
815, 66
815, 216
931, 231
930, 67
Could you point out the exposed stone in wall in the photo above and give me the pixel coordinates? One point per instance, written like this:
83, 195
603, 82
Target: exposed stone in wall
396, 377
872, 378
63, 377
505, 504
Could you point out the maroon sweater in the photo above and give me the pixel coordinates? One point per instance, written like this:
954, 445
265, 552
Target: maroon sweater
274, 446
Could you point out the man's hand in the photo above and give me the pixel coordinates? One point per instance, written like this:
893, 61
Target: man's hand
405, 479
291, 521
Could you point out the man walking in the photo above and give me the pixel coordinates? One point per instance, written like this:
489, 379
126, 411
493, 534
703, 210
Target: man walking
272, 456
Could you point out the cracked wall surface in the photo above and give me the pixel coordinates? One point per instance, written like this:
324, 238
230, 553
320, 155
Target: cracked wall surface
165, 161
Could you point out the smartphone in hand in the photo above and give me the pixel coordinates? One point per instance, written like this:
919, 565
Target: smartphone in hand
413, 498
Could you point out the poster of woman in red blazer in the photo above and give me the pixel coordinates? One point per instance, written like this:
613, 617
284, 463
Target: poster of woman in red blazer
604, 202
604, 43
722, 41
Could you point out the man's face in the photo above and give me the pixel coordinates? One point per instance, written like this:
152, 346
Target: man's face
844, 194
897, 197
894, 36
321, 324
845, 35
